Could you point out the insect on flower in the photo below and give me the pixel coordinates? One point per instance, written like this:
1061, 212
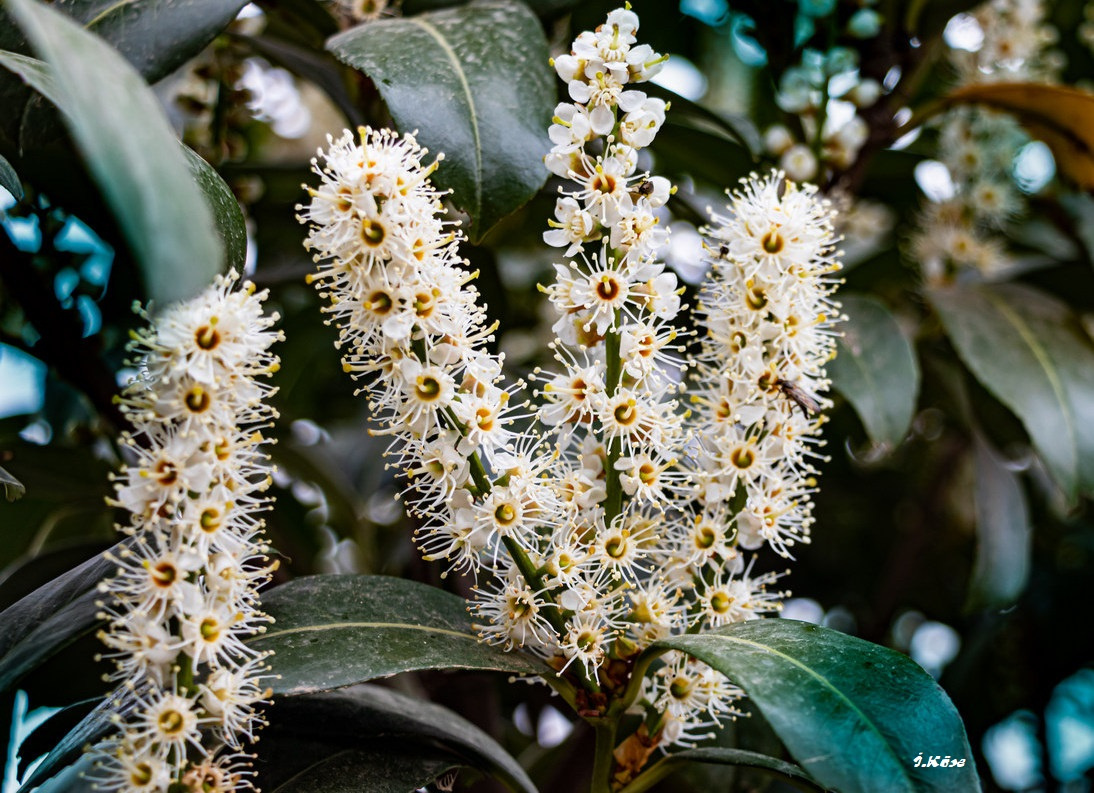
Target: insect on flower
799, 396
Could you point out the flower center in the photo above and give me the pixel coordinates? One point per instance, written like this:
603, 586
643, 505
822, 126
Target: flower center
197, 400
428, 388
171, 722
505, 515
773, 242
742, 458
608, 288
207, 337
372, 232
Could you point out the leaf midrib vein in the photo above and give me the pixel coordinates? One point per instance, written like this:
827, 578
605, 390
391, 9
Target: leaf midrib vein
827, 684
1042, 358
472, 111
344, 625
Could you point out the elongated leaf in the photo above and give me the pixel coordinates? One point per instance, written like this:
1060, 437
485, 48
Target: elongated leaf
335, 630
71, 779
473, 81
52, 634
230, 223
360, 714
13, 488
1061, 116
228, 217
92, 728
1029, 350
876, 369
131, 152
388, 769
1003, 532
9, 180
24, 616
855, 715
684, 112
158, 36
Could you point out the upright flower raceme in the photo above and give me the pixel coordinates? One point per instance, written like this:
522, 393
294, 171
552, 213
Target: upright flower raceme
183, 598
602, 518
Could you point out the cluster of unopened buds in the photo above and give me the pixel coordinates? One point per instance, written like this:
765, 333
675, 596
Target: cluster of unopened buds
183, 598
605, 510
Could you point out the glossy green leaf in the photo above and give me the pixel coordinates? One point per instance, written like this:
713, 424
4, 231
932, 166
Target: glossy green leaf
92, 728
155, 36
1030, 351
875, 369
386, 769
9, 179
335, 630
474, 82
1003, 531
20, 619
855, 715
13, 488
130, 150
227, 214
48, 637
684, 112
158, 36
722, 756
359, 715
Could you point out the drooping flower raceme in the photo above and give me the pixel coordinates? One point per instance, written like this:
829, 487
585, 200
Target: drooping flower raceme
183, 598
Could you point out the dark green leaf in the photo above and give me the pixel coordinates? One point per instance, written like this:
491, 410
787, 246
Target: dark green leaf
358, 715
709, 156
387, 769
130, 150
1030, 351
855, 715
474, 82
9, 180
13, 488
92, 728
685, 112
1003, 532
230, 223
155, 36
21, 618
71, 779
722, 756
158, 36
54, 633
46, 737
876, 369
335, 630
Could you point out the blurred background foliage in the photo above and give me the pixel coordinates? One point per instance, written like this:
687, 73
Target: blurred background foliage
940, 530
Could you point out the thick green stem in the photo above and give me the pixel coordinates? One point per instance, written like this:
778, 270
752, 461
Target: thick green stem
603, 761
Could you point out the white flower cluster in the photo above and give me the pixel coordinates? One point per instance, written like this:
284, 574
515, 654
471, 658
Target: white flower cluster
410, 325
978, 146
769, 316
586, 530
184, 597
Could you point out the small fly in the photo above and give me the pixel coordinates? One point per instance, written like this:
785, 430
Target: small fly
645, 188
808, 403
